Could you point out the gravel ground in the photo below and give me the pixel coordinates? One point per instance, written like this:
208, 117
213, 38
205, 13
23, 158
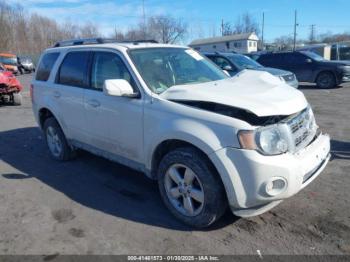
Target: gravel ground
94, 206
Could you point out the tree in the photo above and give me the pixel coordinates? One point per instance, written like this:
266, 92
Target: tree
166, 29
89, 30
226, 28
246, 23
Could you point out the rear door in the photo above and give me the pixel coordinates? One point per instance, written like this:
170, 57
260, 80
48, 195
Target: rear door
113, 124
68, 92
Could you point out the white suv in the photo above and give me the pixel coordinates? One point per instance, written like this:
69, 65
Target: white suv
211, 141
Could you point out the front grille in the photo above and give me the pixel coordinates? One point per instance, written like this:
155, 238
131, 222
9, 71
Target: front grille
303, 129
289, 78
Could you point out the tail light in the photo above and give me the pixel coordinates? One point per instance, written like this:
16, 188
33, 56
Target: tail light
32, 92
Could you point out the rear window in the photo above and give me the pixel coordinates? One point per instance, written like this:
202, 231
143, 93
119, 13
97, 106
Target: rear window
270, 58
73, 70
45, 67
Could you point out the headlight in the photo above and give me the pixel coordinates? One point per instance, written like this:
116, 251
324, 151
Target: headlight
271, 141
344, 68
267, 140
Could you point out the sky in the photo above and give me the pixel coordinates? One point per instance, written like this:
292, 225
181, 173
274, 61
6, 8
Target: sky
203, 17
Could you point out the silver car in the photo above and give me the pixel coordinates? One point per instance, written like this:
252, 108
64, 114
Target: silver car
234, 63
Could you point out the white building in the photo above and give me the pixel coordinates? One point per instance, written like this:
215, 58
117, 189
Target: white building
241, 43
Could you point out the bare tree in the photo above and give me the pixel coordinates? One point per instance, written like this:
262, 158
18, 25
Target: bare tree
166, 29
246, 23
226, 28
89, 30
22, 33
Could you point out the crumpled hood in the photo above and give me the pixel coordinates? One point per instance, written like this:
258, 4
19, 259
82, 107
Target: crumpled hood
258, 92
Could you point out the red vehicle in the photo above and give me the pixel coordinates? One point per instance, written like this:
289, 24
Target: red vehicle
10, 87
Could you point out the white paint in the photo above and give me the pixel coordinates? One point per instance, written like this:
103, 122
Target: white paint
132, 128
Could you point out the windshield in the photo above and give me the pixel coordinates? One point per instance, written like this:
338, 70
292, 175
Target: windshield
8, 60
244, 62
162, 68
313, 55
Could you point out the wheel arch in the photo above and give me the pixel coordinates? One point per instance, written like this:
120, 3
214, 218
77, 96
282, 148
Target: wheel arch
326, 71
171, 144
45, 113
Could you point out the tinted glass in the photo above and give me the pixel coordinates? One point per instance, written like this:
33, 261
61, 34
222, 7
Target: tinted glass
294, 59
73, 70
244, 62
270, 59
45, 67
108, 66
313, 56
222, 62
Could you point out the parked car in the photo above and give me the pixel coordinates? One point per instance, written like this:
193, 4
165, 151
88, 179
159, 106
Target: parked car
10, 62
212, 141
27, 64
234, 63
10, 87
309, 67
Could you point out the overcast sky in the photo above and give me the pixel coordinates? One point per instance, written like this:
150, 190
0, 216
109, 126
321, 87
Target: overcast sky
202, 16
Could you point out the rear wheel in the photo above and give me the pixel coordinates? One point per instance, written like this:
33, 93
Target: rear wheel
326, 80
56, 141
17, 99
190, 188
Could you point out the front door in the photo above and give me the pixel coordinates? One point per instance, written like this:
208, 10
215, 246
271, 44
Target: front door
113, 124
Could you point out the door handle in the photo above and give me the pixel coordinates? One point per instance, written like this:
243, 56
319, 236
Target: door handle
94, 103
56, 94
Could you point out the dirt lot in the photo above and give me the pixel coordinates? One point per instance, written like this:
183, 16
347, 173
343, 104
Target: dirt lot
93, 206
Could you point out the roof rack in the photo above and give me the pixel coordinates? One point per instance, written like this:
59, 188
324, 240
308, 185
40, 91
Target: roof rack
99, 40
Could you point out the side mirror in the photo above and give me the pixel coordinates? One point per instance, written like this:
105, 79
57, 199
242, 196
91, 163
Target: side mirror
308, 61
118, 87
227, 68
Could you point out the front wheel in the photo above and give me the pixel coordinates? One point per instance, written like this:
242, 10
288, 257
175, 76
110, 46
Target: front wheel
326, 80
190, 187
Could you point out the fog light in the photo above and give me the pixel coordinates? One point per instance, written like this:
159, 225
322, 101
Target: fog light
275, 186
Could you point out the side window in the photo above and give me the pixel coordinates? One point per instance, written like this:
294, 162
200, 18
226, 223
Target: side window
73, 70
294, 59
106, 66
222, 62
45, 67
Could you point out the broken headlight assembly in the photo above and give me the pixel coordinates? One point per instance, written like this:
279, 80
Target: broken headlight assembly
270, 140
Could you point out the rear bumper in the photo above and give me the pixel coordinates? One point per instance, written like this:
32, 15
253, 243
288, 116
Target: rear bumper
246, 175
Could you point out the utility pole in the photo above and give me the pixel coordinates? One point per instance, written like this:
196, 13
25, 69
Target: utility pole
222, 27
262, 31
295, 30
312, 34
144, 19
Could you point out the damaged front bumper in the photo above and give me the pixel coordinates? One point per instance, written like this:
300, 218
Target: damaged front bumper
255, 183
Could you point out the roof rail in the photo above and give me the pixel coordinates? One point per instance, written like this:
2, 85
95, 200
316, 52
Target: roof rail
99, 40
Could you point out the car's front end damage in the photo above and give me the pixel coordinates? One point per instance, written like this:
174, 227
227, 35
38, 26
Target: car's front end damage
264, 177
280, 152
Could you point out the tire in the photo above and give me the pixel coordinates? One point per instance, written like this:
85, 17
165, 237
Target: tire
16, 99
56, 141
205, 180
326, 80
